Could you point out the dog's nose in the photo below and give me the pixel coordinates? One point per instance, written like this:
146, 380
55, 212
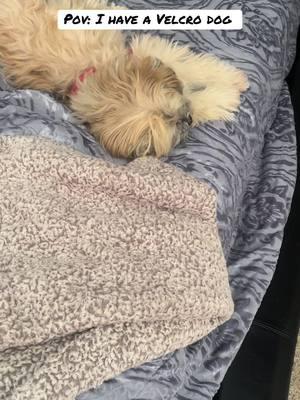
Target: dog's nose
188, 119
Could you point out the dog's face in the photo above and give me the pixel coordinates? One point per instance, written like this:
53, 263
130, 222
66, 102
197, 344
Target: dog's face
135, 107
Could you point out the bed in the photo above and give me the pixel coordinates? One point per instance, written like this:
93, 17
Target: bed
250, 163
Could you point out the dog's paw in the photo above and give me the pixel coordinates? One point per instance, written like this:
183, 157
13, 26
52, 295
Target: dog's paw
215, 104
233, 76
227, 107
241, 81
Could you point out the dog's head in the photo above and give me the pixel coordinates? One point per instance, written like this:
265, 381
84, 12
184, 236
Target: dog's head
135, 107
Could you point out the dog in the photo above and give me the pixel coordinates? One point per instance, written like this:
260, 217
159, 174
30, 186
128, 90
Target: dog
139, 99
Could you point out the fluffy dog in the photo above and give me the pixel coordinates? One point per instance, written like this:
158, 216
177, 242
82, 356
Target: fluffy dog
138, 100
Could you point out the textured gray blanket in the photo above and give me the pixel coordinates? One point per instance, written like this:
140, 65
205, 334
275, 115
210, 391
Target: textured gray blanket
251, 163
97, 274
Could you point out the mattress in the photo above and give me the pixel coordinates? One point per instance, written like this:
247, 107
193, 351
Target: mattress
250, 162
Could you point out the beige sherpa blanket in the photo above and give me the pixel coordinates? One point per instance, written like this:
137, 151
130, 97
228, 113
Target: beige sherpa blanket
102, 267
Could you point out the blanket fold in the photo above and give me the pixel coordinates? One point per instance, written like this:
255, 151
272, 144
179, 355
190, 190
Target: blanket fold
103, 267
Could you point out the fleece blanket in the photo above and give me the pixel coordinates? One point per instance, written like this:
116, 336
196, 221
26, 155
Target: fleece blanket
102, 267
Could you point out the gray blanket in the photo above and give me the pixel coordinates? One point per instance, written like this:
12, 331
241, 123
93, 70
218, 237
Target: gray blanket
251, 163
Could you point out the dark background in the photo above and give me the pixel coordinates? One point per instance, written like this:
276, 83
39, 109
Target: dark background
262, 368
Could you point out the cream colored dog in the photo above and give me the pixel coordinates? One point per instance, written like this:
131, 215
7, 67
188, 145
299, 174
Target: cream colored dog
137, 101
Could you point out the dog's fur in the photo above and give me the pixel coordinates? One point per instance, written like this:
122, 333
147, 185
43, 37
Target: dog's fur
136, 103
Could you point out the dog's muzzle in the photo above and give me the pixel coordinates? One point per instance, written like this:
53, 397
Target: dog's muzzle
183, 127
188, 120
